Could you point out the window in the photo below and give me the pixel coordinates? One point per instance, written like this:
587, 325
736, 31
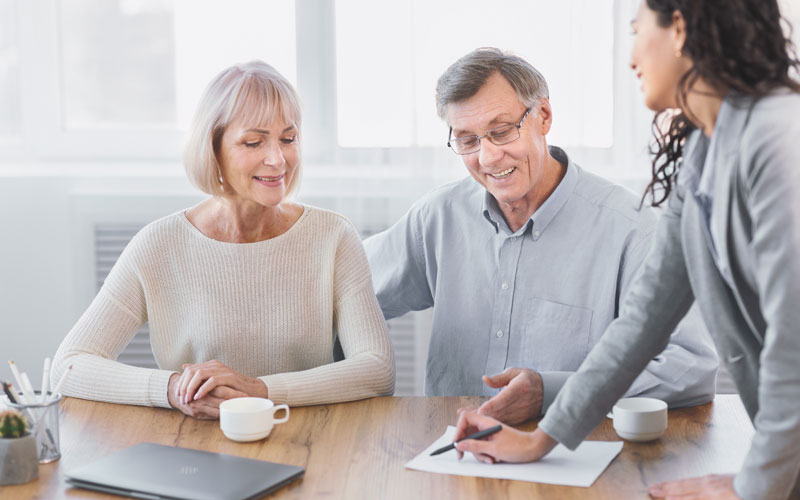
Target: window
117, 81
117, 61
143, 63
390, 55
10, 118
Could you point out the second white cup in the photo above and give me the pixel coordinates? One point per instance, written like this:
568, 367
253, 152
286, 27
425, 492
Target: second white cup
640, 419
249, 419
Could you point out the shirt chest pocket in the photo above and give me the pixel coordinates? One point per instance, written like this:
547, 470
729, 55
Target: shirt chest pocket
554, 337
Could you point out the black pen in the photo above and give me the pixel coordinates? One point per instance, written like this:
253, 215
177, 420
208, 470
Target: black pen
477, 435
9, 393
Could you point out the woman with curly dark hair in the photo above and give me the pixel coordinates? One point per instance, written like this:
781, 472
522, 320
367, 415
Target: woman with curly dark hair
720, 76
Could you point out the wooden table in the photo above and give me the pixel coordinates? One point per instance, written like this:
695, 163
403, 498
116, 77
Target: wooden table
359, 450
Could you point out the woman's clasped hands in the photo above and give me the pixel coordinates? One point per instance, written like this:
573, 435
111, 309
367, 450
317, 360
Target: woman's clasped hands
200, 388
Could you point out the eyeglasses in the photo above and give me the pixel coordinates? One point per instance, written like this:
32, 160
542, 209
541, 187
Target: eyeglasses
497, 136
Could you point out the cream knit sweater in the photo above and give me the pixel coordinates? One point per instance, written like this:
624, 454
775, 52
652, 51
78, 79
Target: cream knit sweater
269, 309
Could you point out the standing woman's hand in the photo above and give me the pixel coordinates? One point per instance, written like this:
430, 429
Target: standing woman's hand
199, 380
203, 408
508, 445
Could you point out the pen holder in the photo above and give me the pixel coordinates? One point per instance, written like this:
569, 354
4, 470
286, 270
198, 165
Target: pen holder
43, 418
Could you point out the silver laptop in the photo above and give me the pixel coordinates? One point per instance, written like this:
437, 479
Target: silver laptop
154, 471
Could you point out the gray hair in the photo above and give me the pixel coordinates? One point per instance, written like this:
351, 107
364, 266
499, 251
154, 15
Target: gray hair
464, 78
252, 93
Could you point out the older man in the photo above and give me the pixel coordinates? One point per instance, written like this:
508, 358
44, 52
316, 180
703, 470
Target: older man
526, 262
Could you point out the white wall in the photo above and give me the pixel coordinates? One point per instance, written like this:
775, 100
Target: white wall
35, 283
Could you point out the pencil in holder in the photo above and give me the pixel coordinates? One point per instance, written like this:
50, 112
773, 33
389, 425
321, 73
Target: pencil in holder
43, 419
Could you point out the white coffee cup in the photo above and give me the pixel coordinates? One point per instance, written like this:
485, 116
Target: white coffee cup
249, 419
640, 419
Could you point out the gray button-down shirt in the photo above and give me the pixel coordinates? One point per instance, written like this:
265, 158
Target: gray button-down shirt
539, 297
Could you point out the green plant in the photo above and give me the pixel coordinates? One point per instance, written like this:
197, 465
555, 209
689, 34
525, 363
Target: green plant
12, 424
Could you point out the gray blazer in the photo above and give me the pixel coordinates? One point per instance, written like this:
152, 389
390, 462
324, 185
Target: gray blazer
754, 317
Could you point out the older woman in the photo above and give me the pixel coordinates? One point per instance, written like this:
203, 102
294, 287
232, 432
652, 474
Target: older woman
729, 239
246, 292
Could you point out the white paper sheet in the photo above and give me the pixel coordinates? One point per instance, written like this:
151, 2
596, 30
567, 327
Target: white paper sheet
561, 466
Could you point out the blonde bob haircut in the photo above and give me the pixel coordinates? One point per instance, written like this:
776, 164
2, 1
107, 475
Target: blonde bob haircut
253, 94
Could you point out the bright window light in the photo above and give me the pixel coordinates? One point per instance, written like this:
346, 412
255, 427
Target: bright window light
211, 35
142, 64
390, 55
9, 71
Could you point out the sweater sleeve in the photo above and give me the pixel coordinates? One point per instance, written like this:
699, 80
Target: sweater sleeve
100, 335
368, 367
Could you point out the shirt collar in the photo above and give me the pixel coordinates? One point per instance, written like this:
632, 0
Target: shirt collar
547, 211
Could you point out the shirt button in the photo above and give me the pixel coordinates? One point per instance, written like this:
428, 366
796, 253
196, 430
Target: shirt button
504, 286
499, 334
536, 233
